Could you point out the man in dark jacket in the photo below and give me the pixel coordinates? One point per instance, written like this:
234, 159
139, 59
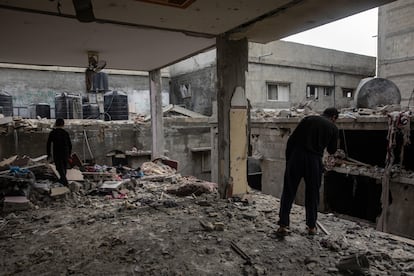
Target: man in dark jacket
304, 151
62, 148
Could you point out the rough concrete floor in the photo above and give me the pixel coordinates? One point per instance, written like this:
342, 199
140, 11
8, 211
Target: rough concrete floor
146, 235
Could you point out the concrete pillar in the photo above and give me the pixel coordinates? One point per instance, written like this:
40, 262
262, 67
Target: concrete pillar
156, 114
232, 65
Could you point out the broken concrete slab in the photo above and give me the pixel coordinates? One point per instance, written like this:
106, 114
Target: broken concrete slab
74, 175
112, 185
59, 191
16, 203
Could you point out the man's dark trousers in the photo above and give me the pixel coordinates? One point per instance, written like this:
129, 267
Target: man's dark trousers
61, 166
308, 165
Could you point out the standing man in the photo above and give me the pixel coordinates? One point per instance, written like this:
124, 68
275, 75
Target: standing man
304, 151
62, 148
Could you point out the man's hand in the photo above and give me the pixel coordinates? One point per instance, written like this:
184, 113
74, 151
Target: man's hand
329, 162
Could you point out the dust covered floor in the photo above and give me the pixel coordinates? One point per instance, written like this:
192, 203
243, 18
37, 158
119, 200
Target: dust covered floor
154, 233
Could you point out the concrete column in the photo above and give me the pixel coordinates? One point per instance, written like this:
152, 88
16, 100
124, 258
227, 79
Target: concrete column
232, 65
156, 114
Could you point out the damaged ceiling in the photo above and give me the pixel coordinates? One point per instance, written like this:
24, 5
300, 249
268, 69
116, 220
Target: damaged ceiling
151, 34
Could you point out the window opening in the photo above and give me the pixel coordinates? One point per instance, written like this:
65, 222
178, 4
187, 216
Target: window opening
185, 90
313, 91
348, 93
278, 92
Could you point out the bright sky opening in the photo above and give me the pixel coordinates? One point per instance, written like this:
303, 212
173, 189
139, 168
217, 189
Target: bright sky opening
354, 34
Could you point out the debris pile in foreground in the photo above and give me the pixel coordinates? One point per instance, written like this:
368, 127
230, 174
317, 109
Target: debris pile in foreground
167, 224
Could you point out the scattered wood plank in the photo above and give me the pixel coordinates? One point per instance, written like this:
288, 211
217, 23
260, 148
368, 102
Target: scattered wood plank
320, 225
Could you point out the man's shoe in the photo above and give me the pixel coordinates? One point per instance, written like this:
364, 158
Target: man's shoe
282, 231
312, 231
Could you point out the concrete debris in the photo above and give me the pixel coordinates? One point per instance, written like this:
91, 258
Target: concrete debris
301, 111
58, 191
176, 111
159, 234
208, 226
356, 264
16, 203
156, 168
188, 187
74, 175
111, 185
75, 187
15, 161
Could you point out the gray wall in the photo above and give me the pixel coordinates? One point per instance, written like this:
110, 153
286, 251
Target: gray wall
181, 136
276, 62
29, 86
301, 65
201, 85
395, 46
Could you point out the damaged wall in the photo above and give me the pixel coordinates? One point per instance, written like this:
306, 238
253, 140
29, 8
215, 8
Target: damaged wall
28, 86
278, 62
350, 190
196, 90
298, 66
181, 135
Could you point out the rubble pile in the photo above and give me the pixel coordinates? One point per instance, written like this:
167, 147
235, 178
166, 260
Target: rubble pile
305, 110
177, 225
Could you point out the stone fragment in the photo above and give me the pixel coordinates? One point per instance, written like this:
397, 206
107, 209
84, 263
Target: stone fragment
208, 226
250, 215
59, 191
219, 226
309, 260
75, 187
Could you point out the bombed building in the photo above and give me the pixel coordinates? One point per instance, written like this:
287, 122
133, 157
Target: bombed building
177, 168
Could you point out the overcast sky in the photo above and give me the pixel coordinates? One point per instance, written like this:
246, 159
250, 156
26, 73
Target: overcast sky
355, 34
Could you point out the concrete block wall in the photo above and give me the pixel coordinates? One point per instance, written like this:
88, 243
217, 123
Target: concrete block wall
271, 146
395, 46
181, 136
103, 137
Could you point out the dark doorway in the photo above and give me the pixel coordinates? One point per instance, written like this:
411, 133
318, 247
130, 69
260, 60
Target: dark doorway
357, 196
254, 173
